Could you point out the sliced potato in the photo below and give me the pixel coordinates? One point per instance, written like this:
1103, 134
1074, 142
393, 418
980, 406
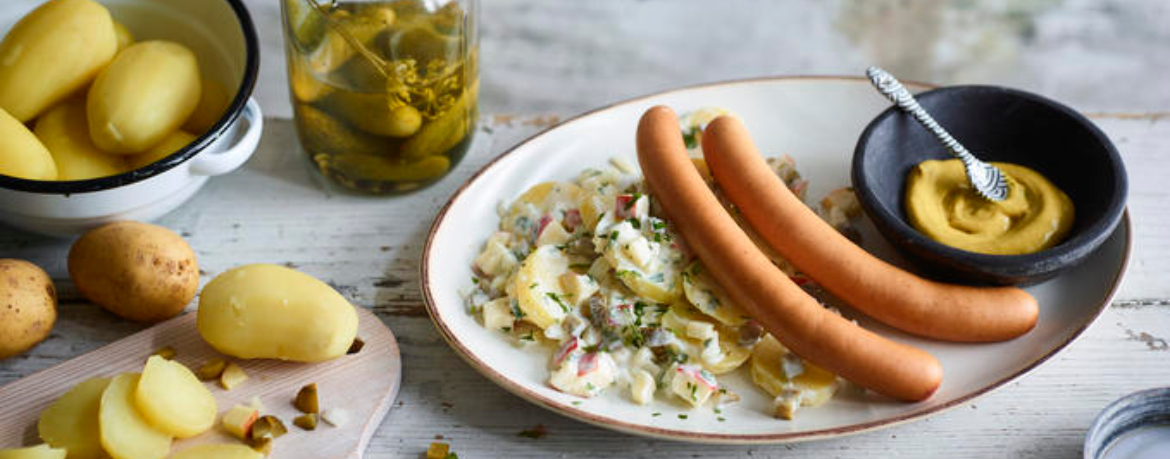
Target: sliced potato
33, 452
548, 198
71, 422
706, 295
218, 451
817, 384
173, 399
125, 434
678, 319
537, 287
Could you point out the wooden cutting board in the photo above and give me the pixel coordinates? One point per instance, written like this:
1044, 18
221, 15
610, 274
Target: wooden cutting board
363, 384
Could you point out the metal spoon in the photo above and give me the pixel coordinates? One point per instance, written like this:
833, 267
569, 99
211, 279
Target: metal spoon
988, 180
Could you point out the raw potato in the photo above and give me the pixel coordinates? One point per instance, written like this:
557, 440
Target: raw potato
22, 155
173, 399
71, 422
28, 306
63, 130
138, 271
125, 433
218, 451
52, 52
270, 311
169, 145
33, 452
213, 102
147, 92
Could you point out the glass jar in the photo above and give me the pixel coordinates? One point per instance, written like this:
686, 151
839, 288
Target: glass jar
384, 93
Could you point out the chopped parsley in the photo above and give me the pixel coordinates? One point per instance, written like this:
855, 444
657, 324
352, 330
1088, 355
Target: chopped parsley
682, 416
516, 311
655, 414
556, 298
691, 137
635, 223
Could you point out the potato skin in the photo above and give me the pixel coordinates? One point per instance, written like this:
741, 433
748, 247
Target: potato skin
28, 306
52, 52
147, 92
138, 271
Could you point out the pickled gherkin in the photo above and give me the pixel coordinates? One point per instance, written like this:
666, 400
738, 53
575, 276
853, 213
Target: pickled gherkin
384, 92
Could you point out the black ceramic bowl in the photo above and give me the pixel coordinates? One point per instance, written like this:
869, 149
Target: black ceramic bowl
997, 124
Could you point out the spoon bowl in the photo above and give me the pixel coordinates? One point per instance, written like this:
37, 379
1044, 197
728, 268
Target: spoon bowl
1010, 126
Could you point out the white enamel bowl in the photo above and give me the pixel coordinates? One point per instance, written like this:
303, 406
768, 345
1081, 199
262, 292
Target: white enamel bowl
816, 121
221, 34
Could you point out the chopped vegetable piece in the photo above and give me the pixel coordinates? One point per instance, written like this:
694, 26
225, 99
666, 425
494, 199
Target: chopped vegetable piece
166, 352
307, 399
211, 370
335, 417
268, 426
232, 376
534, 433
306, 421
438, 451
356, 346
262, 445
239, 420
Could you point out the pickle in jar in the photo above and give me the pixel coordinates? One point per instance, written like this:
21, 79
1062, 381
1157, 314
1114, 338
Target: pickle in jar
384, 92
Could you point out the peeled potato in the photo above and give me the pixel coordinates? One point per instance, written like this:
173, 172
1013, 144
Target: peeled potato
52, 52
218, 451
173, 399
169, 145
213, 102
71, 422
33, 452
21, 153
138, 271
125, 434
147, 92
64, 132
123, 36
270, 311
28, 306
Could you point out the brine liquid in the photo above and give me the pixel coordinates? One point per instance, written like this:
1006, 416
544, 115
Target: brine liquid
384, 93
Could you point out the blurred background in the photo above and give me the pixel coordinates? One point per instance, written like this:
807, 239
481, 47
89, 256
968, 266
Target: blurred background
561, 57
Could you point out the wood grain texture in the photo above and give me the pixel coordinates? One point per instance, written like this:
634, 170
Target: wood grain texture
275, 211
363, 384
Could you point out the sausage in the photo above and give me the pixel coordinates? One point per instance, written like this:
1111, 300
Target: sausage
883, 291
749, 277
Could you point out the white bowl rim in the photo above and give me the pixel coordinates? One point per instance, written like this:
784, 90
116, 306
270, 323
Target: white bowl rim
251, 73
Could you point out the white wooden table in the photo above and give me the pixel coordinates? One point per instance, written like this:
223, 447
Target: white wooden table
274, 210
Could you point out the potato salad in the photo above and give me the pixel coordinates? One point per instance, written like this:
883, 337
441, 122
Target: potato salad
592, 269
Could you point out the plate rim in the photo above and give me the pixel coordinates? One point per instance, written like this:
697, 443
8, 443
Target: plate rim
721, 438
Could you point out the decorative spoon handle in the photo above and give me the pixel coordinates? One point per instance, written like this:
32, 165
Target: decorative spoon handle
987, 179
893, 89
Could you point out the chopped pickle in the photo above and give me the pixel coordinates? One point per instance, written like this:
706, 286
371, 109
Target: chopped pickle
307, 399
167, 352
384, 92
262, 445
211, 370
267, 426
356, 347
306, 421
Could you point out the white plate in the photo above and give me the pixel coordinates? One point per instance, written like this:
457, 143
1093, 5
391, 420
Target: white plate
815, 120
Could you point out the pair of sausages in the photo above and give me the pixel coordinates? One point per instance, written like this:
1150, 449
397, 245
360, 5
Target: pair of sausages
784, 309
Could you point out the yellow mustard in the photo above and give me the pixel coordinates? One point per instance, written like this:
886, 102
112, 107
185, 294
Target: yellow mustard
941, 203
